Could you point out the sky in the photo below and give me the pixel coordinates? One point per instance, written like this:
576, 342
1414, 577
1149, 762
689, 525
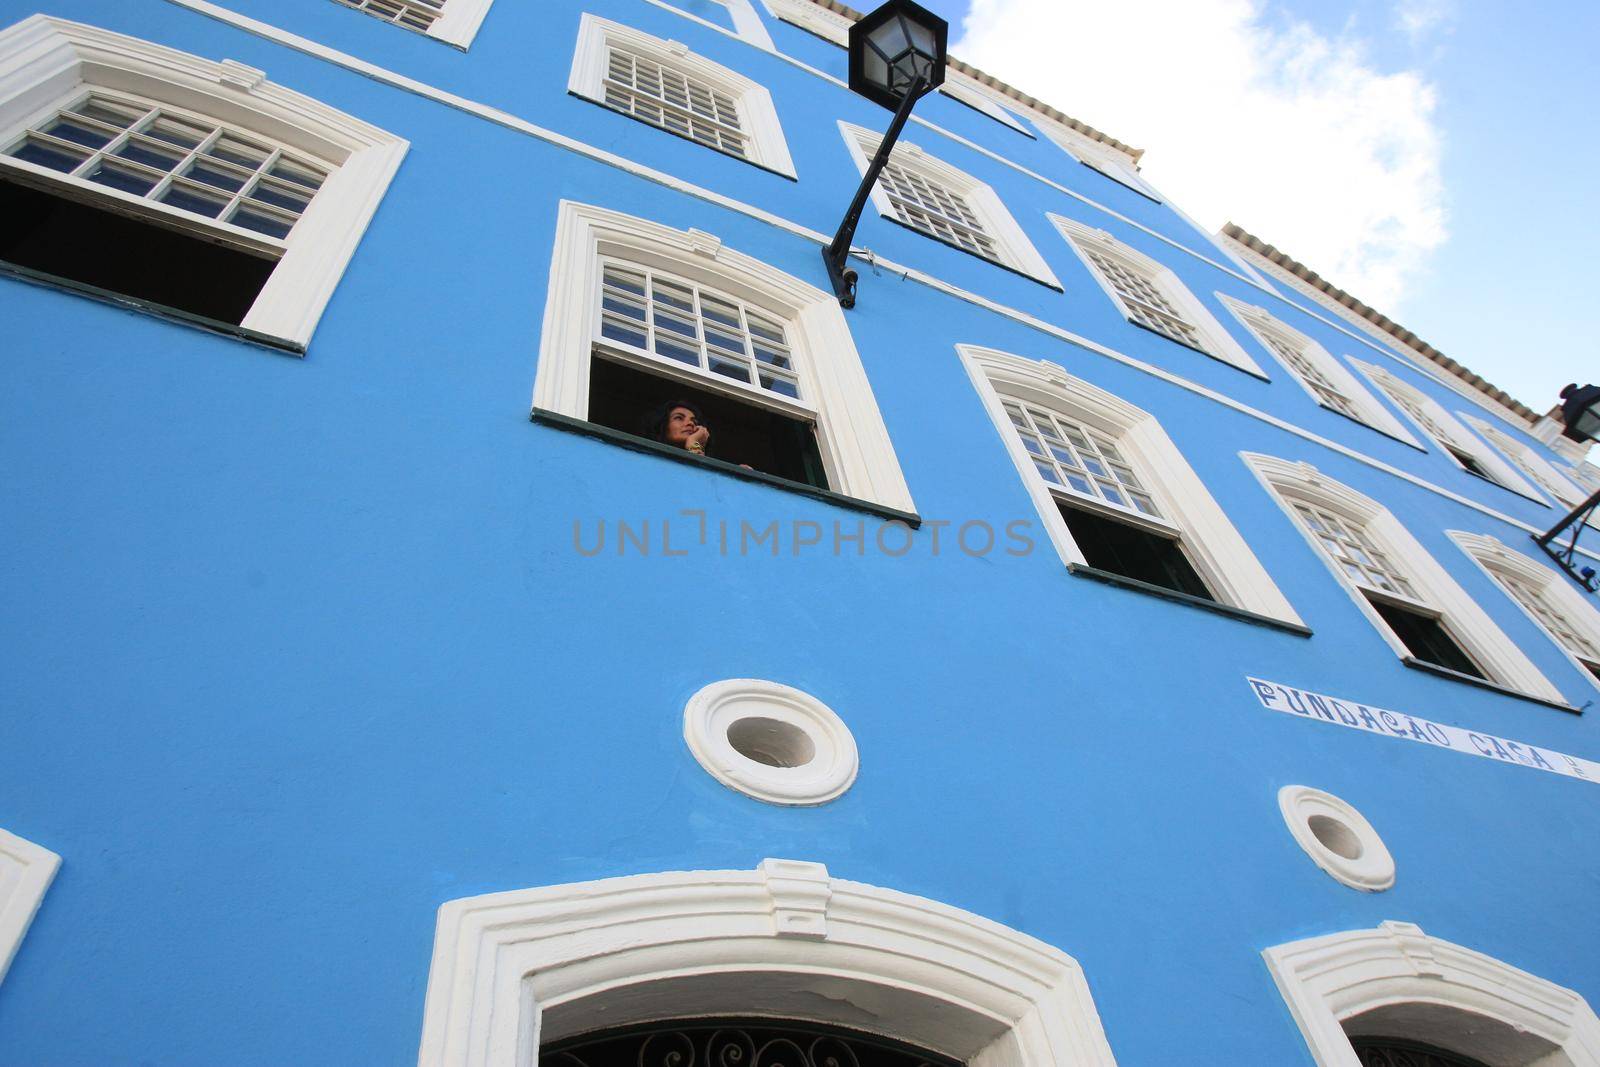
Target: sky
1434, 158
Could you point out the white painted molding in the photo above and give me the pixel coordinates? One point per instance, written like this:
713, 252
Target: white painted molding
979, 97
758, 117
1337, 837
770, 741
1538, 469
26, 870
1264, 326
460, 22
1217, 341
47, 62
514, 970
1444, 994
1505, 663
855, 446
1219, 552
819, 20
1114, 164
1016, 251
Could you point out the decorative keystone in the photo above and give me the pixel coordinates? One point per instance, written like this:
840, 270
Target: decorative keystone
236, 75
705, 244
1055, 372
677, 48
1413, 945
799, 892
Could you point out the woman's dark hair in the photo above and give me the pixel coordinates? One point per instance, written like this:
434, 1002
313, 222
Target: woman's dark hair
655, 424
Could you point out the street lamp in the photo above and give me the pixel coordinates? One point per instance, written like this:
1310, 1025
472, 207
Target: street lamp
896, 56
1580, 410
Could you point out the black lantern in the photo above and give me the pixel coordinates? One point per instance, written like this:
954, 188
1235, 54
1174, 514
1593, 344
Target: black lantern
892, 48
1580, 410
896, 55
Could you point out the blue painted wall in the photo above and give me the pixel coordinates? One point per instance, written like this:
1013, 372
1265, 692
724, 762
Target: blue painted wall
299, 649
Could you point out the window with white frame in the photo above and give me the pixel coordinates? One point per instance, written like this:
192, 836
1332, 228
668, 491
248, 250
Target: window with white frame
1150, 296
455, 22
974, 94
1423, 614
1563, 614
1540, 471
179, 182
639, 314
738, 14
951, 206
665, 85
1109, 161
1457, 442
1322, 376
1112, 490
813, 18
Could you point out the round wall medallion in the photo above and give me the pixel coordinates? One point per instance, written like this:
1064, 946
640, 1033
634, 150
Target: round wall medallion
1337, 837
770, 741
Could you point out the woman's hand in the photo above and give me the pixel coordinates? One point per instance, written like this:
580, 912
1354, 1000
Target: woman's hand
697, 441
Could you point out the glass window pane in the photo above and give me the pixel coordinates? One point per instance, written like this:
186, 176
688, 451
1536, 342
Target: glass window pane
292, 171
48, 155
151, 154
239, 153
124, 178
179, 133
216, 175
279, 196
77, 132
262, 222
104, 111
672, 350
618, 331
191, 199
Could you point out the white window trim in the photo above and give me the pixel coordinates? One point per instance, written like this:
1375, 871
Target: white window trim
1538, 469
746, 23
829, 25
1327, 981
1219, 344
855, 446
1262, 323
1101, 157
45, 62
1495, 558
757, 115
26, 870
1499, 470
1505, 663
459, 23
1016, 251
1222, 557
976, 95
514, 970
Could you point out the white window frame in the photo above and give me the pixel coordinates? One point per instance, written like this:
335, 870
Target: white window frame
1263, 324
765, 142
1217, 342
976, 95
26, 870
457, 23
1097, 156
1016, 251
47, 62
1495, 559
1328, 982
1538, 469
1218, 552
851, 437
518, 969
1499, 471
824, 23
1467, 623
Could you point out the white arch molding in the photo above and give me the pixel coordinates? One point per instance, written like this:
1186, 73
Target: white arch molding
1396, 981
514, 970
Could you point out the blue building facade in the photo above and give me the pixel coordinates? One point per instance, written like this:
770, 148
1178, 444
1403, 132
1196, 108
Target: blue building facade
1098, 646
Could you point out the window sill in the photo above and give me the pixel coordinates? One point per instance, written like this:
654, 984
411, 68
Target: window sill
1494, 687
1195, 348
161, 311
643, 444
1193, 601
1008, 268
1375, 429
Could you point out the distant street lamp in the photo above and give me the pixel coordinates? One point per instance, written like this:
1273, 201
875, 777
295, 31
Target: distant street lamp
896, 56
1580, 410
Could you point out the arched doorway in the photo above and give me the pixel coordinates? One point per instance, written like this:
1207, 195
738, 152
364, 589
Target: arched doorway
737, 1043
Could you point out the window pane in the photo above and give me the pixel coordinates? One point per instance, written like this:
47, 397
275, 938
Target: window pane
124, 178
262, 222
45, 155
1133, 552
78, 132
191, 199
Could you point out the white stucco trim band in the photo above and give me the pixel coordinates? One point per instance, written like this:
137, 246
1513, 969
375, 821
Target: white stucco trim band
1329, 982
26, 870
513, 970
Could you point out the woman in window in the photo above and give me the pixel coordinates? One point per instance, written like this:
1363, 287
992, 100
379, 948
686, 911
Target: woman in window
680, 424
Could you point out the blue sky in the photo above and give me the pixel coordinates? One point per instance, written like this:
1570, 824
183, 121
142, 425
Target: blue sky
1433, 157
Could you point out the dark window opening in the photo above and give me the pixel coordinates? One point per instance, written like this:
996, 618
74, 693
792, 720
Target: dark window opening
1594, 668
1426, 638
1133, 552
1398, 1052
623, 398
1471, 465
752, 1042
54, 235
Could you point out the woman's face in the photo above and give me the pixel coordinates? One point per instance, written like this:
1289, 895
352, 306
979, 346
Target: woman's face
681, 425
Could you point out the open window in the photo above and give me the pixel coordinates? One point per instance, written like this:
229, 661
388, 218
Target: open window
1151, 297
1423, 614
455, 22
947, 204
1113, 491
1113, 163
640, 314
663, 84
193, 188
1543, 595
1540, 471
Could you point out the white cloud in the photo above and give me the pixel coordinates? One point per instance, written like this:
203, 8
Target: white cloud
1289, 133
1420, 18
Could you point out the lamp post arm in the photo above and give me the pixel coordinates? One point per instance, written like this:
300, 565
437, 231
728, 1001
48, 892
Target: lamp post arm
1567, 560
844, 279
